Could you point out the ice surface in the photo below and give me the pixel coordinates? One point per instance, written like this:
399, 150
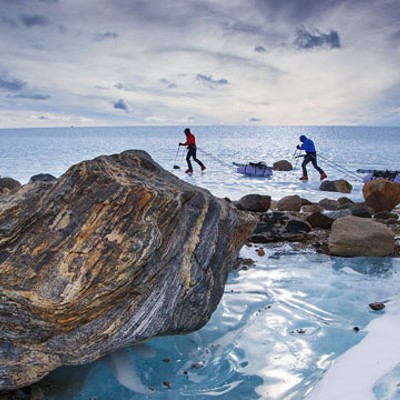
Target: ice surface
355, 374
283, 322
279, 327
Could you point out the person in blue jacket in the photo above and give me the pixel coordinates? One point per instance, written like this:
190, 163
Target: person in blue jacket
311, 156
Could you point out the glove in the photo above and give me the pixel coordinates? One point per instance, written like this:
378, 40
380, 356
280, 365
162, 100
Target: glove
181, 144
298, 147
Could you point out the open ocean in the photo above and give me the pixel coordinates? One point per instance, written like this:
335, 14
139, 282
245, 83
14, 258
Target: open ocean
280, 324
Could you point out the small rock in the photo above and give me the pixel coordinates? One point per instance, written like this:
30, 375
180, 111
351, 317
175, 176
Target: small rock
345, 200
254, 202
376, 306
247, 261
319, 220
282, 165
261, 252
289, 203
42, 178
328, 204
360, 210
167, 384
356, 329
312, 208
7, 184
339, 185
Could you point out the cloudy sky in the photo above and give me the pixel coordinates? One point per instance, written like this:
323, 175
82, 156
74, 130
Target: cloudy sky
170, 62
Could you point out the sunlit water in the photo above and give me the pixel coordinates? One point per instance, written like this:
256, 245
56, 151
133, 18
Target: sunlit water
283, 321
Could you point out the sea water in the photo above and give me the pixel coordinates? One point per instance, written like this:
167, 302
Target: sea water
283, 321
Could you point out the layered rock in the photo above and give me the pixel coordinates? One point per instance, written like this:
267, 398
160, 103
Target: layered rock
355, 236
114, 252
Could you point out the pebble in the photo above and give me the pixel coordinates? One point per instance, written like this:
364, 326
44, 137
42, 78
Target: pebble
376, 306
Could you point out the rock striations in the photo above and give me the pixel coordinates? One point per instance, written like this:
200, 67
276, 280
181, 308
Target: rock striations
114, 252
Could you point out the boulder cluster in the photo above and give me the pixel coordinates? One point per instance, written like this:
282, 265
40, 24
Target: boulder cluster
337, 227
118, 250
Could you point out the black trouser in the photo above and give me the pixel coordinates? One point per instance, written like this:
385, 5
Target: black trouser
310, 157
192, 153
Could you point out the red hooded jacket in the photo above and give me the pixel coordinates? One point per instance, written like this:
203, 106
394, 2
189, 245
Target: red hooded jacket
190, 140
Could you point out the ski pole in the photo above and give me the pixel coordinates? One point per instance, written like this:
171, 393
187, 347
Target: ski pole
176, 156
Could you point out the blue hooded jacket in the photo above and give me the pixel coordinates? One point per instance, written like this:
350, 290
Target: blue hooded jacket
308, 145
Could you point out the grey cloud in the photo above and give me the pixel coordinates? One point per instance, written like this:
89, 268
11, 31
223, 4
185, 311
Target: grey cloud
31, 96
210, 79
168, 84
34, 20
260, 49
295, 10
223, 57
62, 29
38, 46
8, 21
17, 88
121, 105
11, 84
172, 13
17, 2
254, 119
101, 36
242, 27
124, 87
306, 39
396, 36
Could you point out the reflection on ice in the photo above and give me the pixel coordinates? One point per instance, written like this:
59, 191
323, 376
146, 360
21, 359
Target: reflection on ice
279, 327
365, 265
124, 370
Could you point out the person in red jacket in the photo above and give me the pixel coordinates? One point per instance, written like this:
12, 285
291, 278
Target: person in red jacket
191, 147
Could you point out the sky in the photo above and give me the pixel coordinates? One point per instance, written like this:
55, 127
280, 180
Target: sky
187, 62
